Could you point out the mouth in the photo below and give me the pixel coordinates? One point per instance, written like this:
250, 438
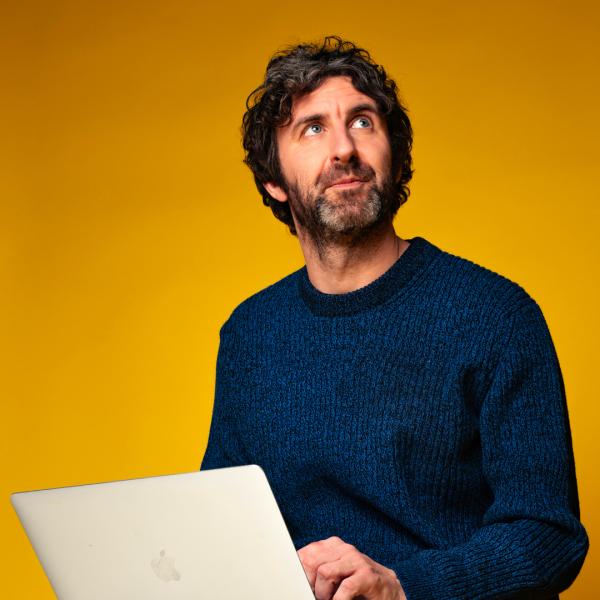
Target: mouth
347, 183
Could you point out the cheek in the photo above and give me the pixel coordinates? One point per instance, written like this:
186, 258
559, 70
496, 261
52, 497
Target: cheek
305, 168
381, 158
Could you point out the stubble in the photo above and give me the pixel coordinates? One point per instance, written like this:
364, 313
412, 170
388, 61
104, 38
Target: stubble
344, 217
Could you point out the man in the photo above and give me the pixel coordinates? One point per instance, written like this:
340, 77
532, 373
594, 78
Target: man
406, 404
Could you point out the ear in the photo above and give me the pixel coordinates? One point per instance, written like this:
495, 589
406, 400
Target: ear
276, 191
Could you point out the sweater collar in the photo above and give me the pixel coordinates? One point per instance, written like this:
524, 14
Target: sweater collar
413, 260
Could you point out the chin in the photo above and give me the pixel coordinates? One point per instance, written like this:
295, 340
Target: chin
351, 224
350, 218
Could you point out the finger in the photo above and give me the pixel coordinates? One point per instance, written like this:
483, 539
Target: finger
331, 546
329, 575
356, 586
316, 553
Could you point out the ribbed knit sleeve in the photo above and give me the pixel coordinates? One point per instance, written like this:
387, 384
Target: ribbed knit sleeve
223, 442
530, 543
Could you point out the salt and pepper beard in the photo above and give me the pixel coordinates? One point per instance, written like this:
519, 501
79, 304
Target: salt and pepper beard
329, 222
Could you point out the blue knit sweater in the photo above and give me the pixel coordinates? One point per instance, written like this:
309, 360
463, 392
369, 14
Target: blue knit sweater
421, 418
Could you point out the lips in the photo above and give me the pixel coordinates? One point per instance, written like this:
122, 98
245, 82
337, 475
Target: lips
346, 181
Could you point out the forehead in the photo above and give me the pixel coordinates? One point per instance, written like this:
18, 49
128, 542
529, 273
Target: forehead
335, 93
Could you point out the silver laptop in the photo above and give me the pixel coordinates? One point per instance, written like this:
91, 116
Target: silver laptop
214, 534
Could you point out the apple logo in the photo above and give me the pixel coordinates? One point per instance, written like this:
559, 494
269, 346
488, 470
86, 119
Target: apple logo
164, 567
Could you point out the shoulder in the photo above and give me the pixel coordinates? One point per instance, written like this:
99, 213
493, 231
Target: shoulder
469, 285
262, 306
491, 311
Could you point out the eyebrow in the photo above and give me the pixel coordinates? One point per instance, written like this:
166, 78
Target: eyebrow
358, 108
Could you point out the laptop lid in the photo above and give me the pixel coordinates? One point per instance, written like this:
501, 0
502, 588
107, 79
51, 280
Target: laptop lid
214, 534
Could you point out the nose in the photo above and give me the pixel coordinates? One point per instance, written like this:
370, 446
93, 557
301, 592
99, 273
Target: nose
342, 145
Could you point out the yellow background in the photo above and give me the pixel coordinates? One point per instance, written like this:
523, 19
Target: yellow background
130, 228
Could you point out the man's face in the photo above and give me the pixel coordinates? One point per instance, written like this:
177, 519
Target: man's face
335, 159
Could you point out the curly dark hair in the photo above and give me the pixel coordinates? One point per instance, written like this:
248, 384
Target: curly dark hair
298, 70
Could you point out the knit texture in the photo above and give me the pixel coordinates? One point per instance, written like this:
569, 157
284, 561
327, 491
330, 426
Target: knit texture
421, 418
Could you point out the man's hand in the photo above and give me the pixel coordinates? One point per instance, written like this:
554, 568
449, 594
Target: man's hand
338, 571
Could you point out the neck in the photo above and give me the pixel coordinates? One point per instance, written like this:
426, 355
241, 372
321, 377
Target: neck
344, 267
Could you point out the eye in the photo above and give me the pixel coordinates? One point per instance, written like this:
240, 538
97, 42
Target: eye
362, 123
313, 129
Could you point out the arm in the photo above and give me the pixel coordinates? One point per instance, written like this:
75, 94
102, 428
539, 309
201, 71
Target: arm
530, 543
223, 449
